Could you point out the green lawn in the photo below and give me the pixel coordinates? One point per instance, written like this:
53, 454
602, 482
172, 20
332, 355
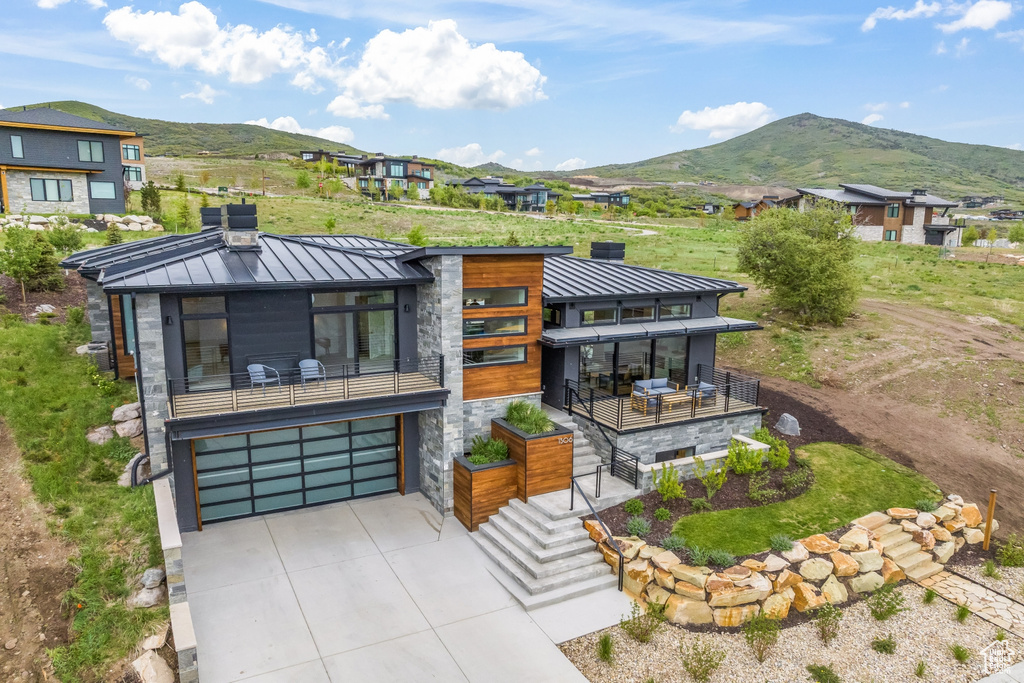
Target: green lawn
49, 398
849, 482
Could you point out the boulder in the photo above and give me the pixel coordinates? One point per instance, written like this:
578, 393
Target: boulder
926, 520
152, 669
146, 597
954, 525
759, 582
834, 591
944, 551
99, 435
866, 583
909, 527
816, 569
125, 480
820, 544
629, 546
696, 576
129, 411
973, 536
788, 425
730, 597
806, 596
735, 616
593, 527
902, 513
657, 594
774, 563
689, 591
143, 219
940, 533
844, 564
943, 513
649, 551
924, 538
959, 542
666, 559
737, 572
855, 539
754, 565
133, 227
610, 556
153, 577
955, 499
798, 553
38, 220
868, 560
686, 612
891, 573
786, 579
971, 515
776, 606
156, 227
664, 579
637, 575
718, 582
788, 593
130, 428
157, 640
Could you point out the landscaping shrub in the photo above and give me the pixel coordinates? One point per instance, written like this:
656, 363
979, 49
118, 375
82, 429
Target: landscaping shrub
634, 507
668, 484
823, 673
885, 646
762, 635
921, 669
528, 417
713, 479
113, 234
604, 648
701, 660
778, 453
929, 596
487, 450
759, 491
638, 526
826, 620
700, 504
742, 459
639, 625
1000, 635
1011, 553
960, 653
65, 236
781, 542
886, 602
699, 556
721, 558
925, 505
989, 570
795, 479
673, 542
962, 612
75, 315
662, 514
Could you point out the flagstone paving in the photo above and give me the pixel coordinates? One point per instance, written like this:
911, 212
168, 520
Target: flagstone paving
1004, 612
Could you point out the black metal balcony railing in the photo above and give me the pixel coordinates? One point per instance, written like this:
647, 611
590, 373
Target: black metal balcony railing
720, 392
237, 392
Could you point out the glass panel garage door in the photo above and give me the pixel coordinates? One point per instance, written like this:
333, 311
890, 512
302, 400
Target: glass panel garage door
251, 474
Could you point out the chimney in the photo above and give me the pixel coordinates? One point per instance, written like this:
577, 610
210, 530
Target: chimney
238, 221
615, 252
209, 216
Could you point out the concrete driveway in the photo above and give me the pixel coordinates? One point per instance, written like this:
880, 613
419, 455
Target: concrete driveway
378, 589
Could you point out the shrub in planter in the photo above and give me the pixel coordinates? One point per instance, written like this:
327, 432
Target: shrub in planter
528, 417
662, 514
713, 478
487, 450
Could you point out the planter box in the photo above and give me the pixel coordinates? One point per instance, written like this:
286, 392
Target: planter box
543, 461
480, 490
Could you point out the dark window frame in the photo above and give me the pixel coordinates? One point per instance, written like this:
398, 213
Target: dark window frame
889, 210
351, 307
93, 146
525, 290
61, 182
128, 150
646, 319
524, 318
688, 316
102, 182
130, 170
524, 347
886, 233
184, 317
19, 152
584, 311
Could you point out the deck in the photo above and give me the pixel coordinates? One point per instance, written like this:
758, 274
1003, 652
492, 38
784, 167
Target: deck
619, 415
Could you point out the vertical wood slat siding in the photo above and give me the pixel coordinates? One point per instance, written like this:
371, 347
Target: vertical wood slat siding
506, 271
481, 493
543, 464
125, 363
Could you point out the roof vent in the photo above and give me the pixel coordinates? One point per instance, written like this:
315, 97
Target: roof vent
608, 251
238, 221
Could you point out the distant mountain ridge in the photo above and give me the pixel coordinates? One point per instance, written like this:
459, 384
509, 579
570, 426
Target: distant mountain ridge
807, 150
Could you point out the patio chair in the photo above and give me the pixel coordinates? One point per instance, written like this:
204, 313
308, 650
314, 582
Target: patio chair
312, 370
263, 375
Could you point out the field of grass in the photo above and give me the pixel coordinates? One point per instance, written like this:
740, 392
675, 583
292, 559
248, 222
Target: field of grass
849, 482
48, 399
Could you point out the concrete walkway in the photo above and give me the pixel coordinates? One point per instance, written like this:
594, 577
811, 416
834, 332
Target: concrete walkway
378, 589
1015, 674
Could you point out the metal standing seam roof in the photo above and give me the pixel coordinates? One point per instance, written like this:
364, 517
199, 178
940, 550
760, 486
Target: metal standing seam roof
569, 278
373, 245
872, 195
44, 116
576, 336
281, 262
94, 260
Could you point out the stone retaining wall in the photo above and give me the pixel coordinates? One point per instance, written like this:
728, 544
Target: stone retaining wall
181, 615
880, 548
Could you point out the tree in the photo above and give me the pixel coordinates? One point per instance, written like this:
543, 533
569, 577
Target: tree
20, 255
417, 237
114, 234
971, 235
330, 224
411, 192
512, 240
204, 200
150, 198
204, 178
65, 236
302, 180
183, 216
1017, 233
805, 260
179, 181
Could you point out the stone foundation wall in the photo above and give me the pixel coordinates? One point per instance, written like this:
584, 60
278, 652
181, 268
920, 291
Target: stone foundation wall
19, 192
99, 312
181, 614
869, 233
914, 233
152, 375
478, 413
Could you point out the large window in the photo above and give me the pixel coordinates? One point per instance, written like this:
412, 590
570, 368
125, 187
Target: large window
17, 150
502, 355
397, 170
599, 316
366, 298
90, 151
614, 367
889, 236
50, 190
634, 363
133, 173
494, 327
131, 152
892, 211
637, 314
674, 311
102, 189
494, 296
204, 325
355, 327
670, 358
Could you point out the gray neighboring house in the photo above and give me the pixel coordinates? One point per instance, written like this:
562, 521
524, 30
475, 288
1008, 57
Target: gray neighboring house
54, 162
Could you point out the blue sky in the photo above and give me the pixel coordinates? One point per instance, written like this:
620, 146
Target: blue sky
533, 85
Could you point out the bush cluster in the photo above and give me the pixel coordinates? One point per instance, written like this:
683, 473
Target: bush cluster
826, 622
487, 450
778, 453
762, 635
1011, 553
759, 490
667, 483
886, 602
742, 459
701, 660
528, 417
633, 507
642, 626
712, 478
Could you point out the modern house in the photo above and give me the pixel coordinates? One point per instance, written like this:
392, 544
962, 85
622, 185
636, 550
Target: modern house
892, 216
391, 174
54, 162
745, 210
530, 198
279, 372
603, 199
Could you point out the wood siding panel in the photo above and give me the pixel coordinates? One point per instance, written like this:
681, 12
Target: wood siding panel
481, 493
125, 363
543, 464
506, 271
870, 215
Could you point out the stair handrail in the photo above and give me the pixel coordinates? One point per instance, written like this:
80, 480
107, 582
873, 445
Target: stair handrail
607, 532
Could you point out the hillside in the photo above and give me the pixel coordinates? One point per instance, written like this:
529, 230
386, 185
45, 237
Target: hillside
808, 150
175, 138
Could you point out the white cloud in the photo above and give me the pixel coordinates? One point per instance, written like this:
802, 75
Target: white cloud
940, 49
961, 47
345, 106
941, 88
533, 152
51, 4
435, 67
920, 9
984, 15
1015, 145
872, 118
904, 105
468, 155
204, 93
571, 164
193, 38
140, 83
881, 106
1013, 36
727, 120
516, 163
288, 124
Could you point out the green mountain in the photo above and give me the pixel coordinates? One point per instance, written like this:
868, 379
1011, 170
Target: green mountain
228, 139
811, 151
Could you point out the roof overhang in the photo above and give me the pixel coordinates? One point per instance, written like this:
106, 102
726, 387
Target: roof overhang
942, 228
70, 129
564, 337
644, 296
51, 169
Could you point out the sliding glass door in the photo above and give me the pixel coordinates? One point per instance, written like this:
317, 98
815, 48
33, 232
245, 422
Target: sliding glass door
614, 367
355, 328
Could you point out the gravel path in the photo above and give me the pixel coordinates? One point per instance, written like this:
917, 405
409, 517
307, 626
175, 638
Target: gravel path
1011, 585
924, 632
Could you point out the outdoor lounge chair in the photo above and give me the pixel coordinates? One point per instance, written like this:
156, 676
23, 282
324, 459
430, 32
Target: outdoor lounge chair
646, 391
312, 370
263, 375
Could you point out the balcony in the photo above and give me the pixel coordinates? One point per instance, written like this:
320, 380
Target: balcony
225, 394
718, 393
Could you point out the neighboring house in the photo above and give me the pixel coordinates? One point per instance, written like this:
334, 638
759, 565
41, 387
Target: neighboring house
710, 208
54, 162
391, 174
530, 198
746, 210
603, 199
879, 214
412, 352
1007, 214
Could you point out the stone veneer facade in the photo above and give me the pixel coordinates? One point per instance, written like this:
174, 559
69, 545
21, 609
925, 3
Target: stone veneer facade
152, 376
19, 193
439, 332
478, 413
98, 309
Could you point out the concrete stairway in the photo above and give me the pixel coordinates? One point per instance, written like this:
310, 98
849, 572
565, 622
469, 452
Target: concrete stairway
899, 546
584, 458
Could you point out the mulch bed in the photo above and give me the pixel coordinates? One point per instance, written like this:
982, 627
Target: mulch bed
73, 295
815, 426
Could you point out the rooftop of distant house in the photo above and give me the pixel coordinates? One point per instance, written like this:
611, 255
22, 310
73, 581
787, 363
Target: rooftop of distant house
861, 194
44, 117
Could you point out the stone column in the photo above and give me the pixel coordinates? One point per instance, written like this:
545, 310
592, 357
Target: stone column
439, 332
152, 375
98, 309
